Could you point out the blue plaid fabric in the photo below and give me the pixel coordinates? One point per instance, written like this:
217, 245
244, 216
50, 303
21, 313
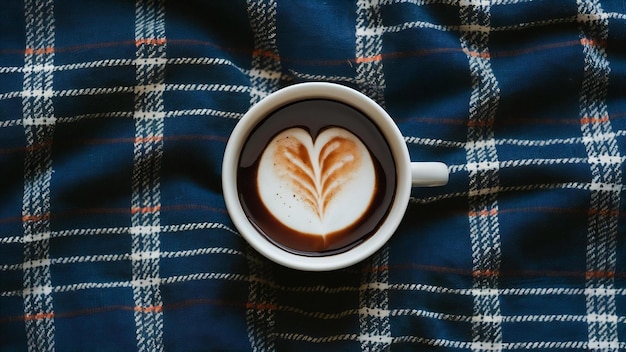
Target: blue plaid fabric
113, 121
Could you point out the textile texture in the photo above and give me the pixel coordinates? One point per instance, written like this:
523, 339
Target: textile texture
114, 116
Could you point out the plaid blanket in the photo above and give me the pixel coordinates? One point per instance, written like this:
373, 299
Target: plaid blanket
113, 122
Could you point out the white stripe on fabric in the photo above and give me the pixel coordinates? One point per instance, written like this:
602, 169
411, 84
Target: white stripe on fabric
120, 257
483, 166
484, 28
521, 188
606, 185
517, 163
122, 89
374, 329
145, 231
39, 124
265, 77
374, 324
413, 287
260, 317
369, 46
115, 231
265, 73
451, 344
313, 77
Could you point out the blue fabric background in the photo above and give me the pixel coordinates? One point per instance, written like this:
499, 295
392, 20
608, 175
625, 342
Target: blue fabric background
114, 116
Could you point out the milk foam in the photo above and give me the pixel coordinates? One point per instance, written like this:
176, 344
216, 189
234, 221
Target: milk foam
316, 187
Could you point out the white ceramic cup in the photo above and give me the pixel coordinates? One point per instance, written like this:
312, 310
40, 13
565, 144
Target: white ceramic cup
408, 174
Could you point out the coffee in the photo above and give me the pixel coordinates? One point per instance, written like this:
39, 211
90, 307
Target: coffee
316, 177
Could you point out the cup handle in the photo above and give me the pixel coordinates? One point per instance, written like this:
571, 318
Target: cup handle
429, 174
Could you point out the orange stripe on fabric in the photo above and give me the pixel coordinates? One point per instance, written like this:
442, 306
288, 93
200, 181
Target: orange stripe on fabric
480, 123
363, 59
592, 42
36, 217
149, 309
10, 219
600, 274
39, 51
150, 41
266, 53
145, 210
37, 146
168, 307
261, 306
38, 316
242, 50
152, 139
485, 273
604, 212
485, 212
482, 55
31, 148
590, 120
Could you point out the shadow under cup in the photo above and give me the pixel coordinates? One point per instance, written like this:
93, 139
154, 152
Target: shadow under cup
314, 116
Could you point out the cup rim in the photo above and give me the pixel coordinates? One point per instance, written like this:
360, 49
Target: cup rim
305, 91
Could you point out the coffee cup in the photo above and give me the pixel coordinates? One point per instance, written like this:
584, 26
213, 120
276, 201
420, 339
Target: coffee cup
317, 176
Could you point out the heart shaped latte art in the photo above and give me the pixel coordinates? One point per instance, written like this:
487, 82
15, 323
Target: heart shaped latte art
316, 187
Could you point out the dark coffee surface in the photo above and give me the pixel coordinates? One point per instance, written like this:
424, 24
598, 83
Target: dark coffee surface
316, 116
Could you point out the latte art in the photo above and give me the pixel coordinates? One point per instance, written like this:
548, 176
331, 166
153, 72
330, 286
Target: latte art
319, 186
316, 177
